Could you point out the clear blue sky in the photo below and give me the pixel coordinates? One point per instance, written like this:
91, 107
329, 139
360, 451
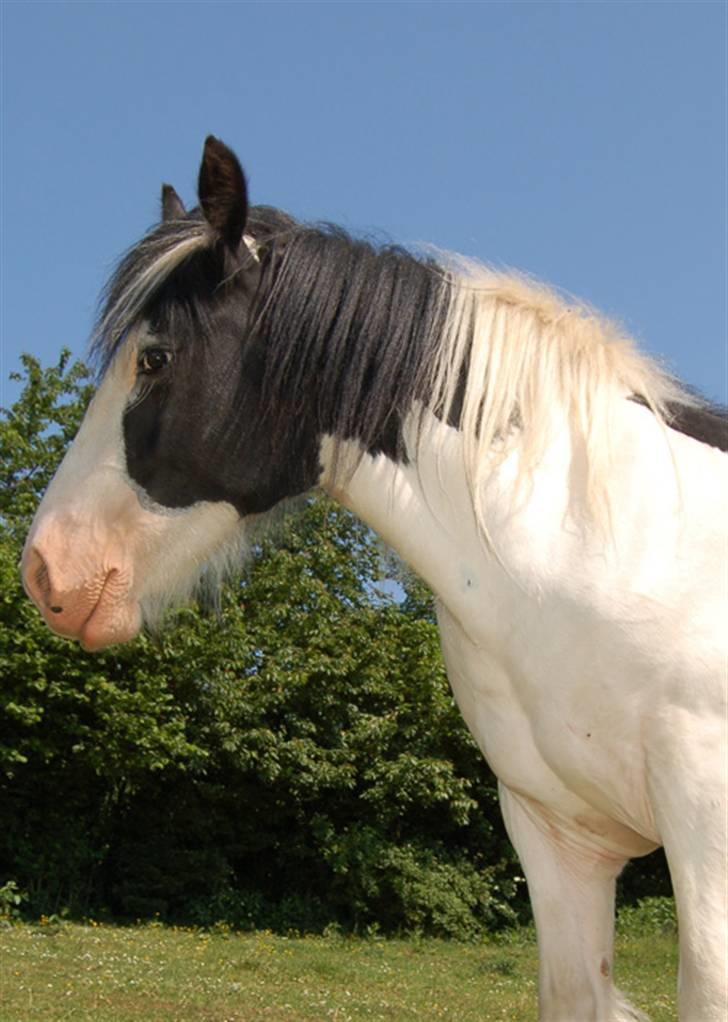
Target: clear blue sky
582, 142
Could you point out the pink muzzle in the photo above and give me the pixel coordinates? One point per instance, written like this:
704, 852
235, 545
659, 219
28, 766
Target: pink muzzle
80, 598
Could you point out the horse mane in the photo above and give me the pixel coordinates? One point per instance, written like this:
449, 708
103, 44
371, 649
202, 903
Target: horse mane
356, 324
381, 335
534, 358
360, 336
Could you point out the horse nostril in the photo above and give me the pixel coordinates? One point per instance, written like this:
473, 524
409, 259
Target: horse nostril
41, 577
39, 580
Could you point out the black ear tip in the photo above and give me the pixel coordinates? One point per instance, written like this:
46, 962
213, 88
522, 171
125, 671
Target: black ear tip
213, 146
172, 206
220, 156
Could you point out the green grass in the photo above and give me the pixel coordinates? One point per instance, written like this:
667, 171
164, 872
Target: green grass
54, 973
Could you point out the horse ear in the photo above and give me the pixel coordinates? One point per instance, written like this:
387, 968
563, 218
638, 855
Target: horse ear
172, 206
223, 192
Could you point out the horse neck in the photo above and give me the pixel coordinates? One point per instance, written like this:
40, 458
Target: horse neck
424, 510
662, 533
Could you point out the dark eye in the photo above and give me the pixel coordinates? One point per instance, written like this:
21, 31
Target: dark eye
153, 359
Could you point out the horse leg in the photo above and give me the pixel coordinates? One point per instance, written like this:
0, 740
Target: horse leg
572, 886
690, 811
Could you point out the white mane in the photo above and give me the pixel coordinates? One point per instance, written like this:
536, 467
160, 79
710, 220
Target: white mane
513, 353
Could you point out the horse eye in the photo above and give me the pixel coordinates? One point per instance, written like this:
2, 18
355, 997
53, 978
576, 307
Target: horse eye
153, 359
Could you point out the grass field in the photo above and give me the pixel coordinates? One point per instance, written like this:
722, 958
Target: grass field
53, 973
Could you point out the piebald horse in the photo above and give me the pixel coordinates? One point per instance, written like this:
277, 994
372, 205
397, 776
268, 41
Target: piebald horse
565, 499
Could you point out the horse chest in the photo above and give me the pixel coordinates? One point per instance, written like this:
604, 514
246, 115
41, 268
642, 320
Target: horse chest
551, 730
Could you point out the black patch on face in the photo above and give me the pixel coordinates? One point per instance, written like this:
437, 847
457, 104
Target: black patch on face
196, 430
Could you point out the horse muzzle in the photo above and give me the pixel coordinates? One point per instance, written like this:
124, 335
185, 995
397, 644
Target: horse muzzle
93, 606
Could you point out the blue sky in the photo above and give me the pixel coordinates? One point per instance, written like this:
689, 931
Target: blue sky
584, 143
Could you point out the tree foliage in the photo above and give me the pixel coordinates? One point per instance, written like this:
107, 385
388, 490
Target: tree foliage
293, 761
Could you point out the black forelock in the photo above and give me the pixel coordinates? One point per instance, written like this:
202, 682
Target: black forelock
124, 299
150, 269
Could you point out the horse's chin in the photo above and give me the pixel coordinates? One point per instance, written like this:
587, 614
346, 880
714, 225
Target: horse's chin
111, 626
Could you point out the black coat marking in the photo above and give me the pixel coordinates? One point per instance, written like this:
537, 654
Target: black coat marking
700, 420
198, 432
704, 422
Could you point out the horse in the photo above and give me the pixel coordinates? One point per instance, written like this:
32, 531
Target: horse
563, 496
